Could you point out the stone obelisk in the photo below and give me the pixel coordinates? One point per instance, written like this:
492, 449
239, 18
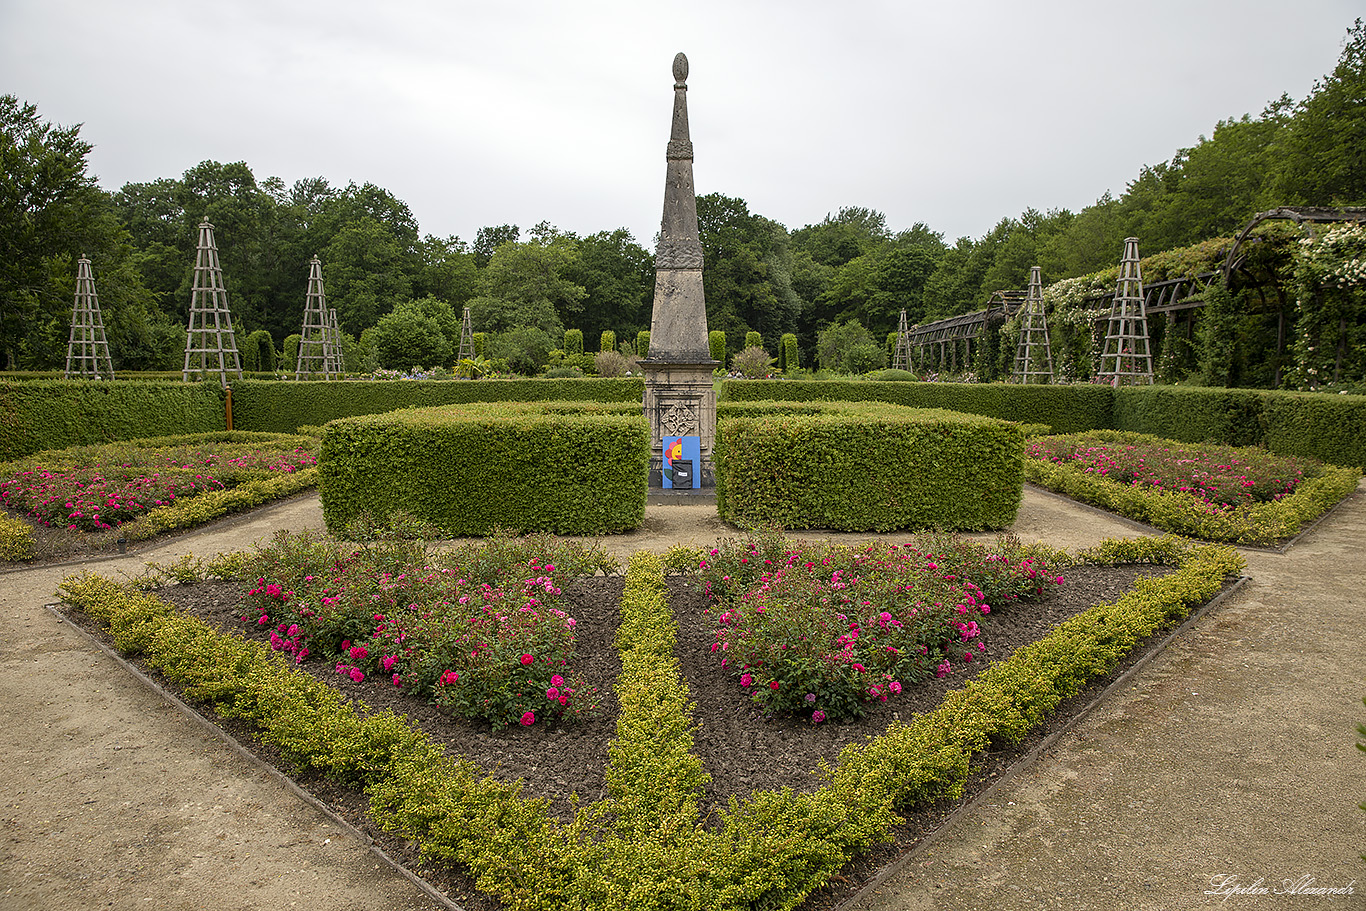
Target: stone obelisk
679, 398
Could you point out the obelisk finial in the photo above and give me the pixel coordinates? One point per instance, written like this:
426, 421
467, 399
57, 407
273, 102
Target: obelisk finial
680, 69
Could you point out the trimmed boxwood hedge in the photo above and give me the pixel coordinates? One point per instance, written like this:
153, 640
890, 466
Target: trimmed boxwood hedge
1067, 409
285, 407
866, 467
562, 467
37, 415
1330, 428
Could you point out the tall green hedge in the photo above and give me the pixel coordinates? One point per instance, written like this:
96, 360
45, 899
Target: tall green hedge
285, 407
716, 345
861, 467
1067, 409
571, 468
1330, 428
53, 414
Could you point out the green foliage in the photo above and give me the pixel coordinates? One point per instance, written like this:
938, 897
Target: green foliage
16, 539
570, 468
259, 352
608, 341
526, 350
894, 376
752, 363
787, 353
534, 282
411, 335
869, 468
848, 348
37, 415
753, 340
291, 352
573, 342
716, 345
747, 271
643, 343
284, 407
1330, 428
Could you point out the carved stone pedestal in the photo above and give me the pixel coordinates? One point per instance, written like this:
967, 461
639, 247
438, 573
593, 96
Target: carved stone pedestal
680, 401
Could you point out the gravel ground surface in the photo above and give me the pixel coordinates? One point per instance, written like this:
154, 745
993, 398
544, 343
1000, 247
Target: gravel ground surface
1228, 762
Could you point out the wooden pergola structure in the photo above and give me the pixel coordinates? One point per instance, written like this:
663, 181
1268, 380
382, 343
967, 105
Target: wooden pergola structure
941, 339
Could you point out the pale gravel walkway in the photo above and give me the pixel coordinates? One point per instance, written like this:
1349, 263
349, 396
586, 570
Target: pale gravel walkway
1232, 753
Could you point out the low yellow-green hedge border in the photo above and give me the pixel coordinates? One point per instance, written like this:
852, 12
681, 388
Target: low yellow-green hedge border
1183, 514
16, 539
644, 846
214, 504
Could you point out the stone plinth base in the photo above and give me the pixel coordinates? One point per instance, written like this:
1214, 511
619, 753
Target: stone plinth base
680, 401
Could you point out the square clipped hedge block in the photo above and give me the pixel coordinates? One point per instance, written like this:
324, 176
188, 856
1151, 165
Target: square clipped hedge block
866, 467
561, 467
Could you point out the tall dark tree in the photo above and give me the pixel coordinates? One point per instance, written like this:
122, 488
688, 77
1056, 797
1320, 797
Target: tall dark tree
747, 272
51, 213
491, 238
1325, 149
618, 276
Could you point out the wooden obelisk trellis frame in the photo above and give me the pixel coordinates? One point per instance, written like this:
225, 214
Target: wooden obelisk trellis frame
336, 363
1033, 355
87, 348
1127, 359
901, 357
210, 345
316, 358
466, 339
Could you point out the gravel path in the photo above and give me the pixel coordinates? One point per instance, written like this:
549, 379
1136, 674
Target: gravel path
1231, 756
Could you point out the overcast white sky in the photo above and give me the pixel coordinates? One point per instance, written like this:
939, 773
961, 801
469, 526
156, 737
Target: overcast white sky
954, 113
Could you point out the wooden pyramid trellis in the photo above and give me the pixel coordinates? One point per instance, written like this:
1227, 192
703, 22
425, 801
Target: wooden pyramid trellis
1127, 357
337, 366
466, 339
901, 357
210, 345
318, 356
87, 347
1033, 355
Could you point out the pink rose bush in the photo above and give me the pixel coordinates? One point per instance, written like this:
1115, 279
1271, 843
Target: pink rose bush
492, 642
820, 631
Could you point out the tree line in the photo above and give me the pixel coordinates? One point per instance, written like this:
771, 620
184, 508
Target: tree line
397, 291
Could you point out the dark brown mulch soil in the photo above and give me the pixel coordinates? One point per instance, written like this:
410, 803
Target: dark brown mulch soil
742, 750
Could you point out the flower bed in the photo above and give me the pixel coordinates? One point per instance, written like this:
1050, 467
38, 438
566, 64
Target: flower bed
645, 844
1215, 493
818, 631
146, 487
480, 630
